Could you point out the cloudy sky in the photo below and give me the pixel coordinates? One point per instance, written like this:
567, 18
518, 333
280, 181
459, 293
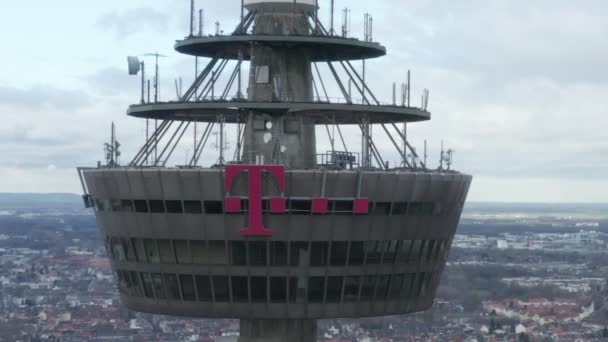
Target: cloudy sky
518, 88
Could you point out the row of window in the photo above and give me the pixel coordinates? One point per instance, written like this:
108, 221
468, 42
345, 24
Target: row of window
294, 207
277, 253
191, 288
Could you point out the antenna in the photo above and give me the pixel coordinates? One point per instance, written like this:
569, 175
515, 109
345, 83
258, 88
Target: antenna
394, 93
345, 22
441, 157
331, 31
156, 77
217, 28
409, 86
112, 149
192, 18
201, 22
134, 67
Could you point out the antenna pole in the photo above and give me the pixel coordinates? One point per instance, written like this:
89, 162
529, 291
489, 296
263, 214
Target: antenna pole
331, 31
242, 14
316, 15
191, 18
404, 143
409, 86
156, 81
147, 138
143, 81
201, 25
148, 91
425, 153
394, 94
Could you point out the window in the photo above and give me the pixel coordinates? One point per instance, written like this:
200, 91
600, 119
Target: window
351, 289
141, 206
203, 288
182, 251
262, 74
367, 288
118, 250
238, 253
318, 254
174, 207
338, 253
221, 289
416, 252
428, 209
152, 251
193, 207
382, 290
399, 208
135, 281
278, 253
130, 253
116, 205
357, 253
382, 209
198, 249
403, 255
299, 254
374, 251
187, 283
213, 207
127, 206
239, 290
147, 282
166, 252
334, 289
157, 283
300, 207
217, 253
343, 207
258, 289
172, 287
396, 285
278, 289
257, 253
157, 206
430, 248
140, 251
391, 252
316, 289
408, 283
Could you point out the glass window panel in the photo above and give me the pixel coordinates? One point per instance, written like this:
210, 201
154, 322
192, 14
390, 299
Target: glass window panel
156, 206
140, 251
423, 283
430, 250
258, 253
122, 284
258, 289
316, 289
400, 208
318, 253
357, 253
198, 249
187, 283
278, 253
382, 290
373, 250
221, 289
152, 251
147, 282
118, 250
213, 207
405, 248
203, 288
193, 207
415, 209
351, 289
127, 206
136, 284
408, 283
396, 286
240, 292
297, 289
172, 287
391, 252
165, 248
381, 209
217, 253
278, 289
116, 205
174, 207
130, 252
344, 207
334, 289
157, 283
367, 288
428, 208
338, 253
141, 206
416, 251
299, 254
182, 251
300, 207
238, 253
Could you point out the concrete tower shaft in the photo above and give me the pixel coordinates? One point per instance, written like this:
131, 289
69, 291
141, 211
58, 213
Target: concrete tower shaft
280, 73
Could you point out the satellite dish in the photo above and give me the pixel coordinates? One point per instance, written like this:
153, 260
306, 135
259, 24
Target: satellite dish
134, 65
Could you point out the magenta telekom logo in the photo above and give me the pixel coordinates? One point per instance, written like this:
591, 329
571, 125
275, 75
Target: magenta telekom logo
278, 205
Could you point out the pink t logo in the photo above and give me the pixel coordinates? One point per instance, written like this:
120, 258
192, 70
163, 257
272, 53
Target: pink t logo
233, 204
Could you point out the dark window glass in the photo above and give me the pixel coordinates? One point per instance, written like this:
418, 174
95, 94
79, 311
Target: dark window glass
203, 288
351, 289
193, 207
159, 289
344, 207
278, 289
136, 284
428, 209
338, 253
152, 251
396, 286
391, 252
334, 289
405, 247
299, 254
278, 253
221, 289
382, 209
416, 252
217, 253
257, 253
213, 207
172, 287
130, 252
118, 250
165, 249
116, 205
300, 207
408, 283
430, 249
238, 253
239, 290
297, 290
122, 283
187, 283
423, 279
399, 208
357, 253
258, 289
416, 209
382, 290
147, 281
140, 251
127, 206
182, 251
316, 288
141, 206
367, 288
198, 249
157, 206
318, 253
174, 207
373, 250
